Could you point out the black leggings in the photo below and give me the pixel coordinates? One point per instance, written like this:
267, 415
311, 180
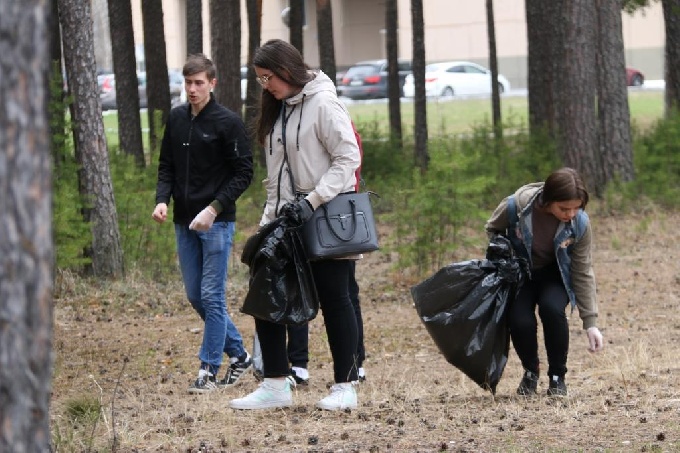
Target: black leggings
331, 278
545, 290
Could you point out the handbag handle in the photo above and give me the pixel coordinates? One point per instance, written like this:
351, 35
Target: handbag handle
353, 207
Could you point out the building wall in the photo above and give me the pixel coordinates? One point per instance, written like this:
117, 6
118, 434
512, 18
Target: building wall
455, 30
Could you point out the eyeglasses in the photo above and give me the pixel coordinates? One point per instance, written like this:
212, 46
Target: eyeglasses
264, 79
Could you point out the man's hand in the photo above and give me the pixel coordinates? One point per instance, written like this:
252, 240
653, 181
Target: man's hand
595, 340
297, 213
204, 220
160, 213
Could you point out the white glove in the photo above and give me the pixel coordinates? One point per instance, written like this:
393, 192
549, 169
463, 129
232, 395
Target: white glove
204, 220
596, 343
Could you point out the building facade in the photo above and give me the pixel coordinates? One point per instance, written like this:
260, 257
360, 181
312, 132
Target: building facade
454, 30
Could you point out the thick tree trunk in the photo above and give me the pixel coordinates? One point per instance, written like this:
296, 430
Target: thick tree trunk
616, 148
296, 21
125, 70
157, 80
253, 90
225, 26
393, 81
324, 23
26, 248
89, 138
671, 14
194, 26
577, 119
542, 26
421, 154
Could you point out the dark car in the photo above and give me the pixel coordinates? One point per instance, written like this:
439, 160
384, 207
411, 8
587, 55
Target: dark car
634, 78
368, 79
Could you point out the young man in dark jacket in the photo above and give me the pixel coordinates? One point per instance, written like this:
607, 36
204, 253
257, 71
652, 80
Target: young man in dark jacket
205, 164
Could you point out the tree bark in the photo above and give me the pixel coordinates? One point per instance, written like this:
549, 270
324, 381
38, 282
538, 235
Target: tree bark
577, 119
542, 26
671, 15
393, 81
253, 89
295, 24
26, 248
225, 26
324, 23
421, 154
616, 148
194, 26
125, 71
90, 141
493, 65
157, 80
55, 87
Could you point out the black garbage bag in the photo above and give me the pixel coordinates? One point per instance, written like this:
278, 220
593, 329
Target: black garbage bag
281, 288
463, 307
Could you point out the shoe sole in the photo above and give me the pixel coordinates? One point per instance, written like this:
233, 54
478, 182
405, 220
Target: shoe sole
260, 406
335, 408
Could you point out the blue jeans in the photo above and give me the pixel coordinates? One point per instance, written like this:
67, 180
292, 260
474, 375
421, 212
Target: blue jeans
203, 259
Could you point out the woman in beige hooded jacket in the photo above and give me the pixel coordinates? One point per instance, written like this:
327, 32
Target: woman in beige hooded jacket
311, 155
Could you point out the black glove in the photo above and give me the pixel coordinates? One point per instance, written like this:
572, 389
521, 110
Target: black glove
297, 213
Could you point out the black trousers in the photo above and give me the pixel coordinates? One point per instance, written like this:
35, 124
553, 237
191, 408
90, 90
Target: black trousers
332, 279
298, 336
546, 291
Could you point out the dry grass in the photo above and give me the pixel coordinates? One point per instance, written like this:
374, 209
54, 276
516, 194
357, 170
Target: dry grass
132, 348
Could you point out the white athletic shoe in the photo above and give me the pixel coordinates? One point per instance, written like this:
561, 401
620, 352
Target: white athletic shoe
343, 396
266, 396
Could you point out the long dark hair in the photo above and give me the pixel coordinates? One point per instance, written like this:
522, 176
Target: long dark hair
563, 185
286, 62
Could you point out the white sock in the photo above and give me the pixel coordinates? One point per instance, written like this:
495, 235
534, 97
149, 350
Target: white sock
302, 373
278, 384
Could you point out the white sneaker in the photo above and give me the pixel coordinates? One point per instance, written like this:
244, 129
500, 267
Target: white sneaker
343, 396
266, 396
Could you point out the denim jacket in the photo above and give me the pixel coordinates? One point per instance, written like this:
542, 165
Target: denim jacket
573, 257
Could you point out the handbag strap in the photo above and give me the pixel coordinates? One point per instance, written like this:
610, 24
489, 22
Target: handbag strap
353, 207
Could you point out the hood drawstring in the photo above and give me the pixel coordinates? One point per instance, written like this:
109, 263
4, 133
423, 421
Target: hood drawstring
297, 135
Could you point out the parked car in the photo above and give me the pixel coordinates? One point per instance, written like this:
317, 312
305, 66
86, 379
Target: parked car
634, 78
368, 79
456, 78
108, 98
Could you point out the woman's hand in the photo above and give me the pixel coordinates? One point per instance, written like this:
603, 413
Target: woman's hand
595, 340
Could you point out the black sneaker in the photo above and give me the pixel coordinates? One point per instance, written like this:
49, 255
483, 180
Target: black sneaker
557, 386
528, 384
298, 380
235, 371
204, 384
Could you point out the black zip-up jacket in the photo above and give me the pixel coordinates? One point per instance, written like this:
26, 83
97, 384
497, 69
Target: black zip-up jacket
204, 158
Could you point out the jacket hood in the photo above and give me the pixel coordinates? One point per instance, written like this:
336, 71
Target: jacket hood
320, 82
526, 193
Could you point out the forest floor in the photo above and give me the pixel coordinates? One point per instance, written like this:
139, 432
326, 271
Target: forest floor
125, 354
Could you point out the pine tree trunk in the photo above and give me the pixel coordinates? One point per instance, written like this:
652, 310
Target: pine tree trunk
493, 65
253, 89
157, 79
577, 89
295, 24
422, 156
225, 25
125, 71
194, 10
26, 248
616, 148
393, 81
671, 15
324, 23
90, 141
542, 21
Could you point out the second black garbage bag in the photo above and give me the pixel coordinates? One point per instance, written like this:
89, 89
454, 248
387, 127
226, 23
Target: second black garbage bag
463, 307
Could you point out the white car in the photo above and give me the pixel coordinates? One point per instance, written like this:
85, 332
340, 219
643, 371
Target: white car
456, 78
